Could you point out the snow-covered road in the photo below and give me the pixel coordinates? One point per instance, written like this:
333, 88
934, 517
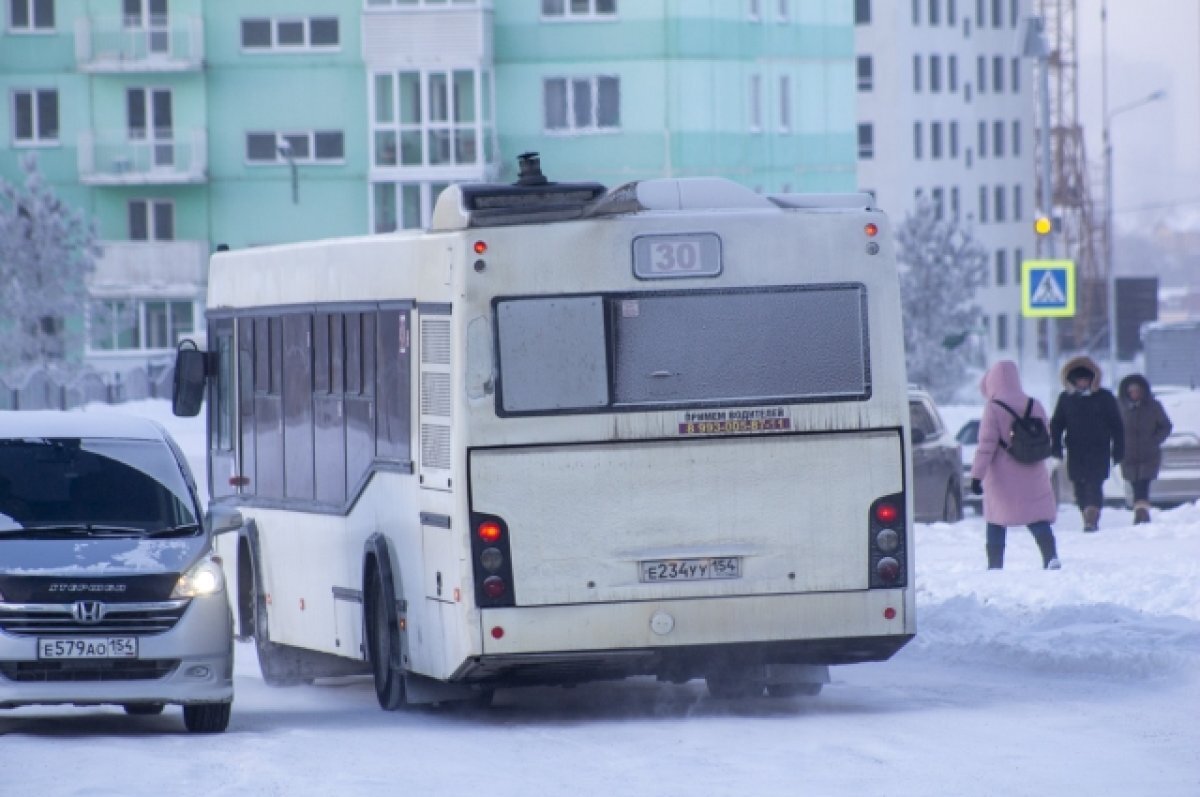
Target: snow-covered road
1084, 681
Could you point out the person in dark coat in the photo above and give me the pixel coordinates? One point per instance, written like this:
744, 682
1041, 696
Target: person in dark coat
1146, 428
1087, 422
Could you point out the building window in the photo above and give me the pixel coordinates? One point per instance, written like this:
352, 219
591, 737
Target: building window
951, 13
582, 104
756, 102
954, 139
573, 9
866, 74
785, 103
862, 12
312, 146
998, 139
151, 220
935, 140
981, 73
980, 18
35, 117
442, 130
998, 74
1002, 331
938, 203
403, 205
918, 134
784, 11
982, 143
1015, 83
934, 12
1018, 258
290, 33
1012, 13
31, 16
133, 324
754, 10
1018, 209
916, 12
952, 72
935, 73
954, 202
983, 204
1001, 207
917, 74
1016, 139
997, 14
866, 142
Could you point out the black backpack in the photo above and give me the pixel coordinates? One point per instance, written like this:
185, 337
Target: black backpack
1028, 439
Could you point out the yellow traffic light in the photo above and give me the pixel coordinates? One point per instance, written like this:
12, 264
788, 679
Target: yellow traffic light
1043, 225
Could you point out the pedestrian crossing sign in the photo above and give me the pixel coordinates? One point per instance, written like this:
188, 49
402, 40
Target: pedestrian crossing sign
1047, 288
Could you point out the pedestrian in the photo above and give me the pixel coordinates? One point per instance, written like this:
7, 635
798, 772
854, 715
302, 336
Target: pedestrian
1087, 423
1014, 493
1146, 427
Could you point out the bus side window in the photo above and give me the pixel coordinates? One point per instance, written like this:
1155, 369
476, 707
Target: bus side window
246, 377
393, 379
329, 422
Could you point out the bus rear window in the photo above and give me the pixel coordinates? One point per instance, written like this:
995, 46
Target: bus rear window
662, 350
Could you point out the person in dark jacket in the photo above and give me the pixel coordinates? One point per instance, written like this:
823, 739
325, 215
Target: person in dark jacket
1146, 428
1087, 422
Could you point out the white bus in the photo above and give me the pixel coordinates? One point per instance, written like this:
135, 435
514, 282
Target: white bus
567, 434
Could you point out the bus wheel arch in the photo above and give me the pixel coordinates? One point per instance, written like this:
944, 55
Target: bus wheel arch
384, 645
279, 664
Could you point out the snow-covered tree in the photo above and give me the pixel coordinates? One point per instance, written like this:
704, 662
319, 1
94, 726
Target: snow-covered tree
47, 251
941, 266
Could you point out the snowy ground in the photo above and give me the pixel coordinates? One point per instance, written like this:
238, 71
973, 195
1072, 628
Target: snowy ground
1084, 681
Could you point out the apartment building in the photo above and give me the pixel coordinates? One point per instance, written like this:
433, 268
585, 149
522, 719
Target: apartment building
946, 112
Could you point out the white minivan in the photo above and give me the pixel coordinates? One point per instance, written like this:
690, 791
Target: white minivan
109, 592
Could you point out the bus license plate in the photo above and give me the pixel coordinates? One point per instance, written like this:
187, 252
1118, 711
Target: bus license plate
117, 647
691, 569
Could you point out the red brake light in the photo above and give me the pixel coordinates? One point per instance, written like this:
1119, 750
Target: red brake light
872, 229
489, 531
886, 513
494, 587
480, 247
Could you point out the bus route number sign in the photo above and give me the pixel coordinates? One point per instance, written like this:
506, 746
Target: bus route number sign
679, 255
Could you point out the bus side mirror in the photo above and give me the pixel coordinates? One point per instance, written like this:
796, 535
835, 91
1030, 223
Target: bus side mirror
191, 368
918, 436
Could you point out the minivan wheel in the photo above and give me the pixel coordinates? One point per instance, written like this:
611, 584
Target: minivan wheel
207, 717
383, 646
143, 709
952, 507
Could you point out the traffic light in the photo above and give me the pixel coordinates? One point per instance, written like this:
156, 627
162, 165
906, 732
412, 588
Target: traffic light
1043, 224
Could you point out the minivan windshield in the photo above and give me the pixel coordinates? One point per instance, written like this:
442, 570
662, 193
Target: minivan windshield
51, 487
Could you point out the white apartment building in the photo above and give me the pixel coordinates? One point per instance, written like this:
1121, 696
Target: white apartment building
946, 110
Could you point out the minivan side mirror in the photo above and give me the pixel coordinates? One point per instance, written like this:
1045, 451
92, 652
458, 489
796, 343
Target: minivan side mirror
222, 519
191, 368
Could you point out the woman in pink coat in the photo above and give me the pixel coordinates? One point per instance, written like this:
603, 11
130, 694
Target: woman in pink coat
1014, 493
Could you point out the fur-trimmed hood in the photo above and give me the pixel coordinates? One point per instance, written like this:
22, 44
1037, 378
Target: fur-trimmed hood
1081, 361
1134, 379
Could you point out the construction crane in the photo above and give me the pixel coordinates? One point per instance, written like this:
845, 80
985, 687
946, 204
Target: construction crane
1081, 232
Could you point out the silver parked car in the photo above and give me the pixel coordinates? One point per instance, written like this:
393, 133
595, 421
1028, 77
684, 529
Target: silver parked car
1178, 479
937, 462
108, 589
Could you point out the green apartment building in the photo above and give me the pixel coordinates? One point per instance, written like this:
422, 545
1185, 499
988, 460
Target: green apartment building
759, 91
179, 125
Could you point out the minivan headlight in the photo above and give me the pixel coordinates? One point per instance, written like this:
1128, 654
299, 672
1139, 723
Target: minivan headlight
203, 578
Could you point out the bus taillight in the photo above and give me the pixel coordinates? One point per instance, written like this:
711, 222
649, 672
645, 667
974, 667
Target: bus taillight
490, 532
491, 555
887, 543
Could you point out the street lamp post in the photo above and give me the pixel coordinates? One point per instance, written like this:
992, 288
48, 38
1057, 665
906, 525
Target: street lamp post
1108, 116
1111, 287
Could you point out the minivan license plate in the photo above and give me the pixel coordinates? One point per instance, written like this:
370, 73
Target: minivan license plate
690, 569
117, 647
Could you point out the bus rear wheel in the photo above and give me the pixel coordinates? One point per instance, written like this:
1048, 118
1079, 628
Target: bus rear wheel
383, 645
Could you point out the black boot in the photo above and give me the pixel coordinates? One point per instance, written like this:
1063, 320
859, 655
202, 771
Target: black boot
995, 555
1045, 544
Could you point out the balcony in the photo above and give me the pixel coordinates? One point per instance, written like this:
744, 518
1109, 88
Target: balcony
177, 157
164, 44
150, 268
